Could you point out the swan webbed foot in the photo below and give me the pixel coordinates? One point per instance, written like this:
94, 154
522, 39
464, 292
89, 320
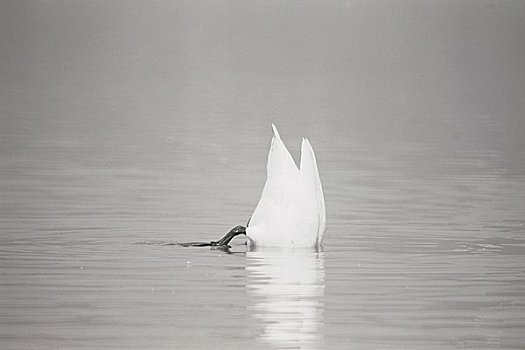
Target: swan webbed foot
222, 243
237, 230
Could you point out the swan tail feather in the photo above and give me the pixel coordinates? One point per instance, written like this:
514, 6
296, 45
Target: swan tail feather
310, 172
280, 161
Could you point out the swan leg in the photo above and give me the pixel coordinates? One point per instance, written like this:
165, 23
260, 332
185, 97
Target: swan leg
237, 230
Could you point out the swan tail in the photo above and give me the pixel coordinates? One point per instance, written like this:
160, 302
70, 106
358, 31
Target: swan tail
282, 174
310, 173
280, 161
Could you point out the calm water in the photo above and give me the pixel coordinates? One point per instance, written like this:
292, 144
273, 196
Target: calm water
424, 248
126, 127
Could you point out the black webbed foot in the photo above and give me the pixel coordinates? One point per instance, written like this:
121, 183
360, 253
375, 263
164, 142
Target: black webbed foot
237, 230
221, 243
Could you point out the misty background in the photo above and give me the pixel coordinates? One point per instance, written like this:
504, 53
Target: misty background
155, 76
450, 72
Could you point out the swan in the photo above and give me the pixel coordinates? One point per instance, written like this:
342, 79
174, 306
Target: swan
291, 211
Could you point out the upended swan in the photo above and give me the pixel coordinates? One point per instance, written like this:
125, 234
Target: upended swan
291, 211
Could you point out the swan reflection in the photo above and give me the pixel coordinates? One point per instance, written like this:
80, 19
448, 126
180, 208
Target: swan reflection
285, 290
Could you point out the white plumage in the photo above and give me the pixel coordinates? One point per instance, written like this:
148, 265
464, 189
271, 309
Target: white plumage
291, 211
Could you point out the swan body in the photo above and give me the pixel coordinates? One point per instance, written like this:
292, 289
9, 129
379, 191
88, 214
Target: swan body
291, 211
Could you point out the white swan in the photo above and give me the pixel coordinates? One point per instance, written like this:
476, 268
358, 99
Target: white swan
291, 211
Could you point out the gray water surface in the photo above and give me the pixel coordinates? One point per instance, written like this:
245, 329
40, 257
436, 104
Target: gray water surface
126, 127
414, 257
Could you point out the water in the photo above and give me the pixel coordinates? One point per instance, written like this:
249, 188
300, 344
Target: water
417, 254
125, 128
